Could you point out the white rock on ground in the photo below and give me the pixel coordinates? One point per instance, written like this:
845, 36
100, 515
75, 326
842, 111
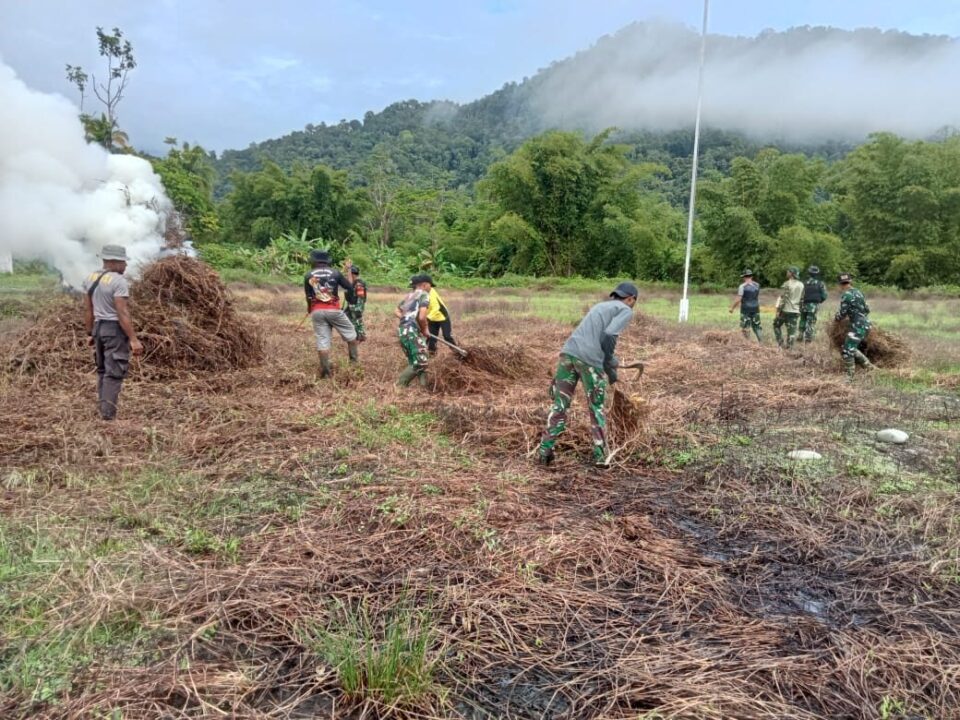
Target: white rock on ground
892, 435
804, 455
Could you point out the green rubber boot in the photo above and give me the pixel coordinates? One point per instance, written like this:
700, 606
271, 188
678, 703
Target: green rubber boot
407, 376
354, 351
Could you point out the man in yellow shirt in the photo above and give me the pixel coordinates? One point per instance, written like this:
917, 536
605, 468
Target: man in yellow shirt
438, 319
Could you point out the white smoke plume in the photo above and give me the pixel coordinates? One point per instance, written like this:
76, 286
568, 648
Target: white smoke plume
61, 198
802, 84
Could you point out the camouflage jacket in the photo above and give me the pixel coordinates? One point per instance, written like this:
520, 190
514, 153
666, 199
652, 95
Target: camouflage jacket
854, 306
357, 298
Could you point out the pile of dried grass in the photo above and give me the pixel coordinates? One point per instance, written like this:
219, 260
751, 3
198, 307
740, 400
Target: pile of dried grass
627, 419
483, 368
882, 348
187, 320
184, 316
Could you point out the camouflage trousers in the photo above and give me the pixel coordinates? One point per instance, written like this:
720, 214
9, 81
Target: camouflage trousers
355, 315
790, 320
414, 346
751, 320
808, 322
569, 371
851, 347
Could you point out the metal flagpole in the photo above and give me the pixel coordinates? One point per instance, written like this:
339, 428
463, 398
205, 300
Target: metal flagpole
685, 301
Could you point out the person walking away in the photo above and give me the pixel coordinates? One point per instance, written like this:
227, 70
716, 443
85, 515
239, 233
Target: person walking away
814, 295
107, 320
588, 355
356, 301
853, 305
438, 320
788, 308
321, 286
412, 330
748, 298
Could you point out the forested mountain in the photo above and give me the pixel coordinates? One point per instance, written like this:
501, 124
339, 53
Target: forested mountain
820, 146
641, 79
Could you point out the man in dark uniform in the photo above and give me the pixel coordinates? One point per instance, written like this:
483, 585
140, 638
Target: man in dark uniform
814, 295
107, 319
748, 298
321, 286
356, 301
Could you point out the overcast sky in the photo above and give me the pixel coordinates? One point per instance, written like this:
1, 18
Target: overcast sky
226, 73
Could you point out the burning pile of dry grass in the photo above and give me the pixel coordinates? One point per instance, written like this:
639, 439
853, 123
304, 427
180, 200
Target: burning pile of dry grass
882, 348
184, 316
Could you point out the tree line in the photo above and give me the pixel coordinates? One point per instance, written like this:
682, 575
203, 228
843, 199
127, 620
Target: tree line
563, 204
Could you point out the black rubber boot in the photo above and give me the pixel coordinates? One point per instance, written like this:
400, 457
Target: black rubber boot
325, 369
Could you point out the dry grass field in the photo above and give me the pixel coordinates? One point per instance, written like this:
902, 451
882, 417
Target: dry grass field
256, 543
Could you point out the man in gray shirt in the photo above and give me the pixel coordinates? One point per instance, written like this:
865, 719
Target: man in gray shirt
588, 354
107, 318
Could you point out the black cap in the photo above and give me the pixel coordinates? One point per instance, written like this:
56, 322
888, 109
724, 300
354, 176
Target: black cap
354, 270
813, 270
319, 256
747, 273
625, 290
845, 278
420, 278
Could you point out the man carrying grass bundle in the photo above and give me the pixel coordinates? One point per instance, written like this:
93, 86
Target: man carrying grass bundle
588, 355
321, 286
412, 330
853, 306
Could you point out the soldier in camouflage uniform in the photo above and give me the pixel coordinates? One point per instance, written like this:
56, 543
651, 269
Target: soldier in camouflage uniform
356, 301
588, 355
853, 306
788, 308
412, 330
814, 294
748, 298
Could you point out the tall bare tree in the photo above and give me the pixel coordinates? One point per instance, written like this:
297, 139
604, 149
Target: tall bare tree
120, 61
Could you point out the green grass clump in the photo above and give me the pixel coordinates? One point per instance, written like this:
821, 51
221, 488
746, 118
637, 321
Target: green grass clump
384, 658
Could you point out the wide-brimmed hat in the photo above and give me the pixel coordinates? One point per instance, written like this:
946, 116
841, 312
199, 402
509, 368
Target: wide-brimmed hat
845, 278
354, 270
113, 252
794, 270
747, 273
320, 256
